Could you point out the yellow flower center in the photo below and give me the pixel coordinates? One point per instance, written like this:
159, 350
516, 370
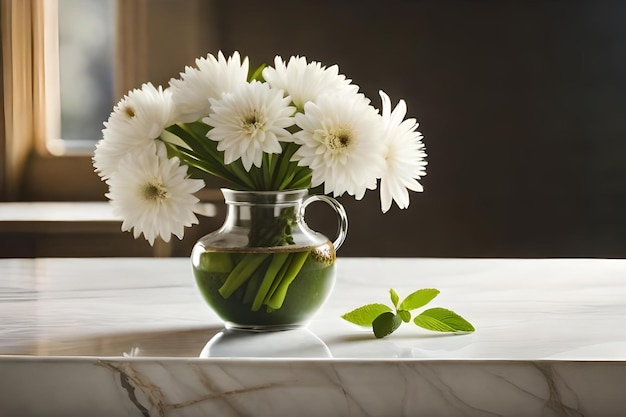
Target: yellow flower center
338, 139
154, 192
252, 123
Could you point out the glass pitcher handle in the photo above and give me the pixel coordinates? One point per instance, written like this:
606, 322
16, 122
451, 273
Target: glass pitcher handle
342, 225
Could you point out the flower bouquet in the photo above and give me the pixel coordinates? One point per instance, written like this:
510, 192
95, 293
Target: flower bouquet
298, 125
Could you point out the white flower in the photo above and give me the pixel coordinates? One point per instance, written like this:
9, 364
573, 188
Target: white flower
153, 195
135, 122
341, 142
250, 122
305, 82
211, 78
404, 155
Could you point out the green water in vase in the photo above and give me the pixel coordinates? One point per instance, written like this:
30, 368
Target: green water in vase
286, 287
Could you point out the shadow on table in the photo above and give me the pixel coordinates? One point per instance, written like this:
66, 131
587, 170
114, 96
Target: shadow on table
164, 343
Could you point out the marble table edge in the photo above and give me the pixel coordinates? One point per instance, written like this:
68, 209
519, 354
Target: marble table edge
312, 360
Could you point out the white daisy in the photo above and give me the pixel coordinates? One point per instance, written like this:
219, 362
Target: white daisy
340, 142
250, 122
211, 78
135, 122
305, 82
153, 195
404, 156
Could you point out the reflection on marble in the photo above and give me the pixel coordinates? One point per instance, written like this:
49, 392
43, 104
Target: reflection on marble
132, 337
296, 343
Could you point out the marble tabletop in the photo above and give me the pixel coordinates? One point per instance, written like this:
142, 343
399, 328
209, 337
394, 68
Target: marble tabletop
124, 336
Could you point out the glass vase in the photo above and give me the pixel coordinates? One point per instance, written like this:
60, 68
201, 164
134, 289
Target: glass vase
265, 269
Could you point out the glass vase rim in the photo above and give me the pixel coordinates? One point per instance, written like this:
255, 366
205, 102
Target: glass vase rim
290, 196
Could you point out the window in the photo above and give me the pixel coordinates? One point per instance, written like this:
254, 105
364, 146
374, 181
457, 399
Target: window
35, 164
86, 65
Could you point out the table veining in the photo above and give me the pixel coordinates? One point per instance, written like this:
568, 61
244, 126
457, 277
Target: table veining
132, 336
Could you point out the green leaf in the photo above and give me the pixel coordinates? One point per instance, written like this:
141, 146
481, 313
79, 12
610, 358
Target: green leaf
200, 129
385, 324
394, 297
404, 315
418, 299
257, 75
365, 316
442, 320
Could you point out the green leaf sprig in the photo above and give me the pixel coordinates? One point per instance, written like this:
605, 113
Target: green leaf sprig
386, 320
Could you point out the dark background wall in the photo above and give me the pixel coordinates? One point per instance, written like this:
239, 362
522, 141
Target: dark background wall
522, 106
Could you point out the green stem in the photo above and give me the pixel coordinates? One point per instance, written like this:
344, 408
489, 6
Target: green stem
272, 273
206, 165
280, 169
278, 279
286, 180
266, 167
244, 177
241, 272
277, 299
302, 174
304, 182
251, 287
273, 170
199, 152
284, 162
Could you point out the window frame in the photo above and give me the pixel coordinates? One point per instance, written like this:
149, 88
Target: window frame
34, 164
